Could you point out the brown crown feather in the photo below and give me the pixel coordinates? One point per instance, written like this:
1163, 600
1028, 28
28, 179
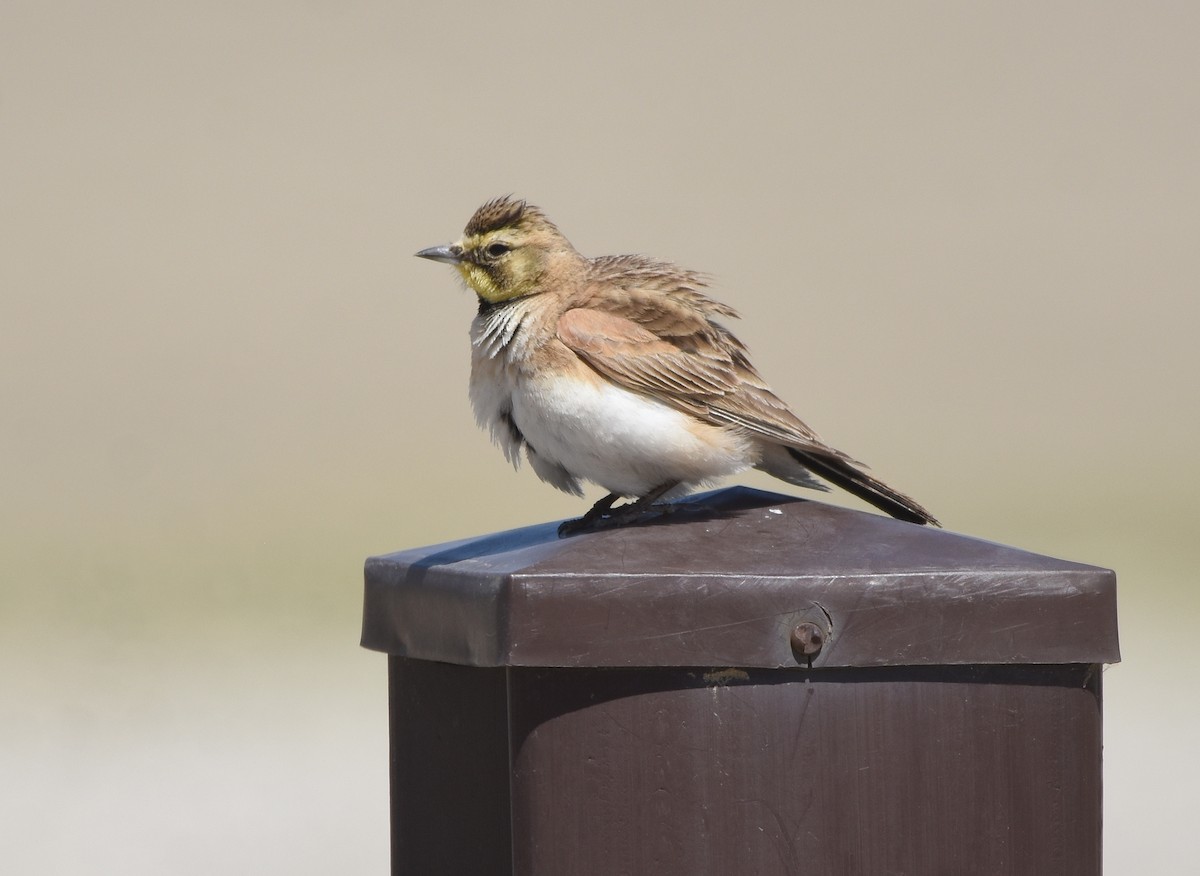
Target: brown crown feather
505, 212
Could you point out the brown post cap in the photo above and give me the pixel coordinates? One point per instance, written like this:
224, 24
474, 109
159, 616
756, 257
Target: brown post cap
739, 578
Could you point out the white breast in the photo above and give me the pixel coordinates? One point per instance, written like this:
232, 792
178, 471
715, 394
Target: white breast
626, 442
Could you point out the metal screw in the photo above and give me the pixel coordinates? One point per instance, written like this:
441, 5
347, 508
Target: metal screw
807, 640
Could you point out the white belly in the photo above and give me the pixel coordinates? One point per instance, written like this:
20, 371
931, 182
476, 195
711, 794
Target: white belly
627, 443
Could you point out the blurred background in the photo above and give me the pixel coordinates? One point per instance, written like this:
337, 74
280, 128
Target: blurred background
963, 237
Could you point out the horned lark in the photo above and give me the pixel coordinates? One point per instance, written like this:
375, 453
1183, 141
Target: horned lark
615, 370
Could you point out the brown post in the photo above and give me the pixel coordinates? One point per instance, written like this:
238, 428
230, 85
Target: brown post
759, 685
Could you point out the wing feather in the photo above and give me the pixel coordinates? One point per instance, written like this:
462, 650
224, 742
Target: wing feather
690, 363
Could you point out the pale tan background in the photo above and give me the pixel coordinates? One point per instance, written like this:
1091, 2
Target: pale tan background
964, 237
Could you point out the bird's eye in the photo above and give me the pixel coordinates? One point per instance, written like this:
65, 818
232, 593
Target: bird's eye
496, 250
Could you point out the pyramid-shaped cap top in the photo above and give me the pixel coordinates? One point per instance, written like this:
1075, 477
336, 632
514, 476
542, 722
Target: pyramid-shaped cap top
728, 581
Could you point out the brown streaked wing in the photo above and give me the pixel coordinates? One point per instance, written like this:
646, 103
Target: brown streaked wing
634, 357
693, 371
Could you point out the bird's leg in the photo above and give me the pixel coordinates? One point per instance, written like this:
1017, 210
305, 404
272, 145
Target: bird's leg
596, 519
570, 527
600, 508
644, 502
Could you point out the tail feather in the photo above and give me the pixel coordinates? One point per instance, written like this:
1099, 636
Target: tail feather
840, 473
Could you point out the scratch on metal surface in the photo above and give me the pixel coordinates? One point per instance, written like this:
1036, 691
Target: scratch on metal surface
692, 630
828, 616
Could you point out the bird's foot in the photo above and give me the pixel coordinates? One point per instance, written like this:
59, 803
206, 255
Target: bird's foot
603, 516
587, 521
622, 516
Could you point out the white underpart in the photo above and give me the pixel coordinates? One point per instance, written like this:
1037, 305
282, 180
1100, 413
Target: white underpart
582, 427
625, 442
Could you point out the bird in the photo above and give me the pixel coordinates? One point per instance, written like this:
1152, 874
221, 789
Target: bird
617, 370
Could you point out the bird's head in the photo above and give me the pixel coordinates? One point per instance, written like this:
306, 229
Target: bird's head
508, 250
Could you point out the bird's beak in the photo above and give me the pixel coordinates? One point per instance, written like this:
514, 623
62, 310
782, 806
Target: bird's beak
451, 255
